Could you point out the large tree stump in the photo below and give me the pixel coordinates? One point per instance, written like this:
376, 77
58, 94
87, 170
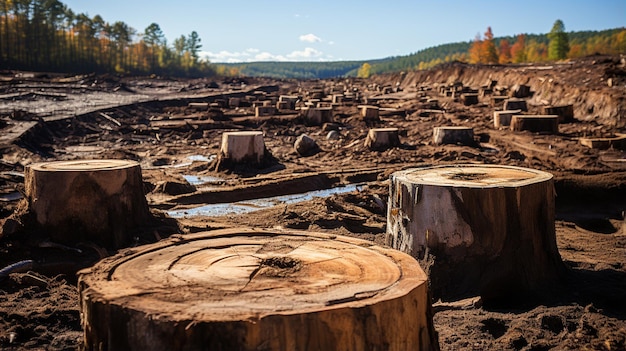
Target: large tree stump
382, 138
535, 123
515, 104
245, 289
101, 201
453, 135
490, 229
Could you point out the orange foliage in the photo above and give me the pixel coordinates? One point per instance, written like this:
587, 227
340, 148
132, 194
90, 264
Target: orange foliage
518, 50
505, 52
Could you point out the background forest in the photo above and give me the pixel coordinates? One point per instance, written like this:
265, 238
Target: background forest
46, 35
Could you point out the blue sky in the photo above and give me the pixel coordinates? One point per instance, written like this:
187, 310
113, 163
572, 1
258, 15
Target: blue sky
325, 30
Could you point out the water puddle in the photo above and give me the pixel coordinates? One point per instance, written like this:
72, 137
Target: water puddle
201, 180
247, 206
14, 196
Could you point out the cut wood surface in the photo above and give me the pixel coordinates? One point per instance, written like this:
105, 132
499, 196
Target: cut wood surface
247, 289
87, 200
490, 228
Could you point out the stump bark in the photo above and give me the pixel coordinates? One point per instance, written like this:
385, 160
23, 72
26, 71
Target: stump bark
565, 112
316, 116
241, 148
382, 138
246, 289
490, 228
453, 135
515, 104
503, 118
535, 123
101, 201
370, 113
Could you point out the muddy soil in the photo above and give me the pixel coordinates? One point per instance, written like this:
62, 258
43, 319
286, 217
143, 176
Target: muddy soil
149, 120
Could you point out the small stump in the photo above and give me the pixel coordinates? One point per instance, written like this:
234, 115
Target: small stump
101, 201
515, 104
503, 118
245, 148
565, 112
490, 228
469, 99
246, 289
370, 113
616, 142
382, 138
261, 111
453, 135
535, 123
316, 116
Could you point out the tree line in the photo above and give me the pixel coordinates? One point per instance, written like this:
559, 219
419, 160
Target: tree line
46, 35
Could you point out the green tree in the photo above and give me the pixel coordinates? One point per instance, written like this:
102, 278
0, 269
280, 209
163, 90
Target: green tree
559, 42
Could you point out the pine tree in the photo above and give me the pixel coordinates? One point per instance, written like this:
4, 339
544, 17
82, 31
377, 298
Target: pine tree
559, 42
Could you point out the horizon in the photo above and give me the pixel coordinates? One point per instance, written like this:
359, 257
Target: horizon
348, 31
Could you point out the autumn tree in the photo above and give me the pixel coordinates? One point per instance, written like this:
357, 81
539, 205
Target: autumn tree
488, 51
505, 52
559, 42
364, 70
475, 49
518, 49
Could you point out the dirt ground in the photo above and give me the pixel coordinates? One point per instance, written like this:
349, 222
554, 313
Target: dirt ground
54, 117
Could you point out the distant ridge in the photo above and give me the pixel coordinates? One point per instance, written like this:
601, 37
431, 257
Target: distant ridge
334, 69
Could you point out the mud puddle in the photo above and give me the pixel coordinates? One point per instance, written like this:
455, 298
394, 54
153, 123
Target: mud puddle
247, 206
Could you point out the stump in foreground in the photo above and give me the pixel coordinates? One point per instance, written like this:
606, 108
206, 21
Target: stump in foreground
382, 138
101, 201
490, 228
245, 289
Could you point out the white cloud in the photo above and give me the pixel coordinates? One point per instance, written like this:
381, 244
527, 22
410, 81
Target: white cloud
252, 54
311, 38
307, 53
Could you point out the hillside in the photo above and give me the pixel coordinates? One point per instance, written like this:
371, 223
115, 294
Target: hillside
586, 43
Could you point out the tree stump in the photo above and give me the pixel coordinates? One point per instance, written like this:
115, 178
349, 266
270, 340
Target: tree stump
565, 112
101, 201
503, 118
316, 116
382, 138
260, 111
453, 135
515, 104
243, 148
617, 142
370, 113
490, 229
535, 123
246, 289
469, 99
